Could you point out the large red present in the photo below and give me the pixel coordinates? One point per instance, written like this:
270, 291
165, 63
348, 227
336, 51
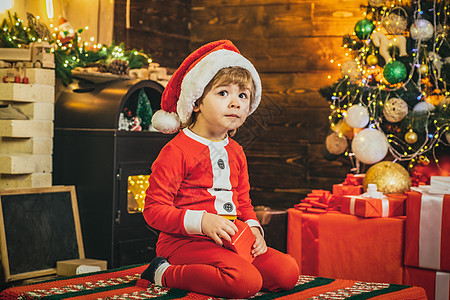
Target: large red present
338, 245
373, 204
242, 241
435, 283
427, 243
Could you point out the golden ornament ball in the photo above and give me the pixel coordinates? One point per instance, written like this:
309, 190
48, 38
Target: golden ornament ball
390, 178
372, 60
423, 69
343, 128
424, 160
411, 137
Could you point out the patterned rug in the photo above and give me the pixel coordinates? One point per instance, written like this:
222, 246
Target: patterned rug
125, 283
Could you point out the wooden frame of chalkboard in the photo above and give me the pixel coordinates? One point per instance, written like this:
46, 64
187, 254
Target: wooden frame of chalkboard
38, 227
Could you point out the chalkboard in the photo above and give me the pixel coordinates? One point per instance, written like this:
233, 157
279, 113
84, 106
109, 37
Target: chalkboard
38, 227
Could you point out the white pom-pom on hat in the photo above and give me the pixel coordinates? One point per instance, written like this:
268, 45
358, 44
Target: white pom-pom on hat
167, 122
189, 81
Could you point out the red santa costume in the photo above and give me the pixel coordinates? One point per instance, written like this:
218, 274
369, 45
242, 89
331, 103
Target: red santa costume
193, 175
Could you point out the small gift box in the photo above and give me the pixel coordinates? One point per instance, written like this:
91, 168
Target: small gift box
242, 241
352, 185
435, 283
373, 204
427, 240
354, 179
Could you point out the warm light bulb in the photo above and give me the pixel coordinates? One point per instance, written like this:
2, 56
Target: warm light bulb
49, 5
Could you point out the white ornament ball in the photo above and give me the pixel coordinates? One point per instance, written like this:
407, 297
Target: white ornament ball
395, 24
423, 107
336, 143
357, 116
370, 146
395, 110
422, 30
376, 3
351, 69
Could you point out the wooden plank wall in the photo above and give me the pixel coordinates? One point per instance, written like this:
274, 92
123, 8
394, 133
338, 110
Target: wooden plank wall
291, 44
158, 27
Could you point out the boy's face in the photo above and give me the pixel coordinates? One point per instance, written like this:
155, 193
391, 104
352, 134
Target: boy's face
223, 108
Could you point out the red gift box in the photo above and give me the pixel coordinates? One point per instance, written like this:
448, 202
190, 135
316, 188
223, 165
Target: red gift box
427, 243
341, 190
373, 207
435, 283
242, 241
337, 245
354, 179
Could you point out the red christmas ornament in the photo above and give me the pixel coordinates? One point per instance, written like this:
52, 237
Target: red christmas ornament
17, 79
25, 80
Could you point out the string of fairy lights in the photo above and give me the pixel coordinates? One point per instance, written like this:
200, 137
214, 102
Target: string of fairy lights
382, 35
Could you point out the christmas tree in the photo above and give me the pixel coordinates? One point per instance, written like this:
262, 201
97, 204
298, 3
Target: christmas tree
144, 110
392, 100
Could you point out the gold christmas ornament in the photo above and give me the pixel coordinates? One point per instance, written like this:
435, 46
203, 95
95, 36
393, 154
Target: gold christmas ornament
411, 137
395, 110
423, 69
390, 178
424, 160
343, 128
372, 60
336, 143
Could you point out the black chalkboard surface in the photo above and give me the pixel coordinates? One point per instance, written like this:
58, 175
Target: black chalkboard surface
38, 227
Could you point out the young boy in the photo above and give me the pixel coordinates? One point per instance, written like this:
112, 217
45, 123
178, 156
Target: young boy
199, 182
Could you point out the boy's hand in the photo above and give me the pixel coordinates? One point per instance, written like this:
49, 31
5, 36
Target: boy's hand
259, 247
218, 228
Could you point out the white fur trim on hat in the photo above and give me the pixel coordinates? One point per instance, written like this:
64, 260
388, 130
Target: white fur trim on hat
166, 122
195, 81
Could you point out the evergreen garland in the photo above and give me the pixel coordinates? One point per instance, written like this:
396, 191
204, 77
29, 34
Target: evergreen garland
70, 55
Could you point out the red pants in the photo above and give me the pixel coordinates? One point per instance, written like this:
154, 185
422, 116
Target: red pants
206, 268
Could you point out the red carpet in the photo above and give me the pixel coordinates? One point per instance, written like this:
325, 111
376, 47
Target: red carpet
124, 283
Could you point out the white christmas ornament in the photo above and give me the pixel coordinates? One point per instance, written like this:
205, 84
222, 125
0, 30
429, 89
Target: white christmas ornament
336, 143
423, 107
395, 110
357, 116
370, 146
422, 30
394, 23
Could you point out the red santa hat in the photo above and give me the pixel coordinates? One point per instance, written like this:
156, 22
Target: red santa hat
189, 81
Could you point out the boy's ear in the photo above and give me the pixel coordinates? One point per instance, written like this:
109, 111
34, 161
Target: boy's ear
196, 107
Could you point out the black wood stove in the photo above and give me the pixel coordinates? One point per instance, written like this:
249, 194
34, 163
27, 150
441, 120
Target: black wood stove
109, 167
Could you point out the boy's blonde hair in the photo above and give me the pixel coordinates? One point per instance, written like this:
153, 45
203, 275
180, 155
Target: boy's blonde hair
230, 75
